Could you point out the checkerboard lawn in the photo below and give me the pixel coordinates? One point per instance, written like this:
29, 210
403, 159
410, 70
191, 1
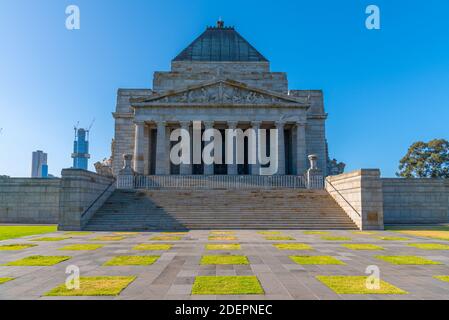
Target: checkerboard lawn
218, 285
82, 247
332, 238
316, 232
49, 239
223, 259
230, 246
362, 246
292, 246
393, 238
38, 261
442, 278
152, 246
132, 261
11, 232
316, 260
357, 285
407, 260
13, 247
279, 238
430, 246
166, 238
3, 280
222, 238
94, 286
109, 238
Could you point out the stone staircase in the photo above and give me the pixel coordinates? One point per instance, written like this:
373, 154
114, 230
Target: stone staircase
140, 210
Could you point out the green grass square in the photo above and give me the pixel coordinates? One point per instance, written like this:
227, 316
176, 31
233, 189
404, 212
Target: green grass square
108, 238
222, 238
51, 239
292, 246
225, 246
391, 238
316, 260
223, 259
94, 286
362, 246
357, 285
82, 247
38, 261
15, 247
166, 238
132, 261
407, 260
222, 233
442, 278
78, 233
153, 247
364, 233
279, 238
430, 246
12, 232
315, 232
4, 280
218, 285
335, 238
268, 233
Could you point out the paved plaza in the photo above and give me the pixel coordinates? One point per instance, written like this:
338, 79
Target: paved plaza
173, 274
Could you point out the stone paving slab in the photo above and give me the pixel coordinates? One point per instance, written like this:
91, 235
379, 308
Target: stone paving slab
173, 274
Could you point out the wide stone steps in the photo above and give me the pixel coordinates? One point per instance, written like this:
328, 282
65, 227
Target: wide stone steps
219, 209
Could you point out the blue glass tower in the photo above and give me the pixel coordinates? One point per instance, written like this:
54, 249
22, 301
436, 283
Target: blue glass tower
80, 153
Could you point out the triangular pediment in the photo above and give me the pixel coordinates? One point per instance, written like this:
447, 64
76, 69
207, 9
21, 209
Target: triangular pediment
221, 92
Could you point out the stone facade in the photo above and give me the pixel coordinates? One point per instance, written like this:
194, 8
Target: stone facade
223, 86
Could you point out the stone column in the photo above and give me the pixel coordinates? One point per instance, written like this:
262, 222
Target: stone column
255, 168
281, 147
139, 147
186, 168
232, 168
161, 154
209, 168
301, 159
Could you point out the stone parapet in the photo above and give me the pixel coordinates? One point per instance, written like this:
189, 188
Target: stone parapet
82, 193
359, 193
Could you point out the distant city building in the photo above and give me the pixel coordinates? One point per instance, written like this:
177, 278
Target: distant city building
80, 153
39, 168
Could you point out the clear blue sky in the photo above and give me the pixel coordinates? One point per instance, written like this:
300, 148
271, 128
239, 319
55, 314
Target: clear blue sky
383, 89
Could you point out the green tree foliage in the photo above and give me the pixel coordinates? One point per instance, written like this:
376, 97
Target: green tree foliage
426, 160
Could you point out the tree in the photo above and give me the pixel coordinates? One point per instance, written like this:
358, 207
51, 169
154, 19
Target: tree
426, 160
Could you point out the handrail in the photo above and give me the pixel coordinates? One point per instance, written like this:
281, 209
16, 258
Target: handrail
98, 198
330, 183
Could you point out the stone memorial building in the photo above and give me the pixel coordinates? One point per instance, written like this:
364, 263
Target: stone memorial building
221, 80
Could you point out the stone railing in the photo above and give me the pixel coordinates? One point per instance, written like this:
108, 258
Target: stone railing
217, 182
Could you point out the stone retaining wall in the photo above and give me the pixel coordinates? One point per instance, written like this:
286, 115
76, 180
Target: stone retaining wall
415, 201
29, 200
